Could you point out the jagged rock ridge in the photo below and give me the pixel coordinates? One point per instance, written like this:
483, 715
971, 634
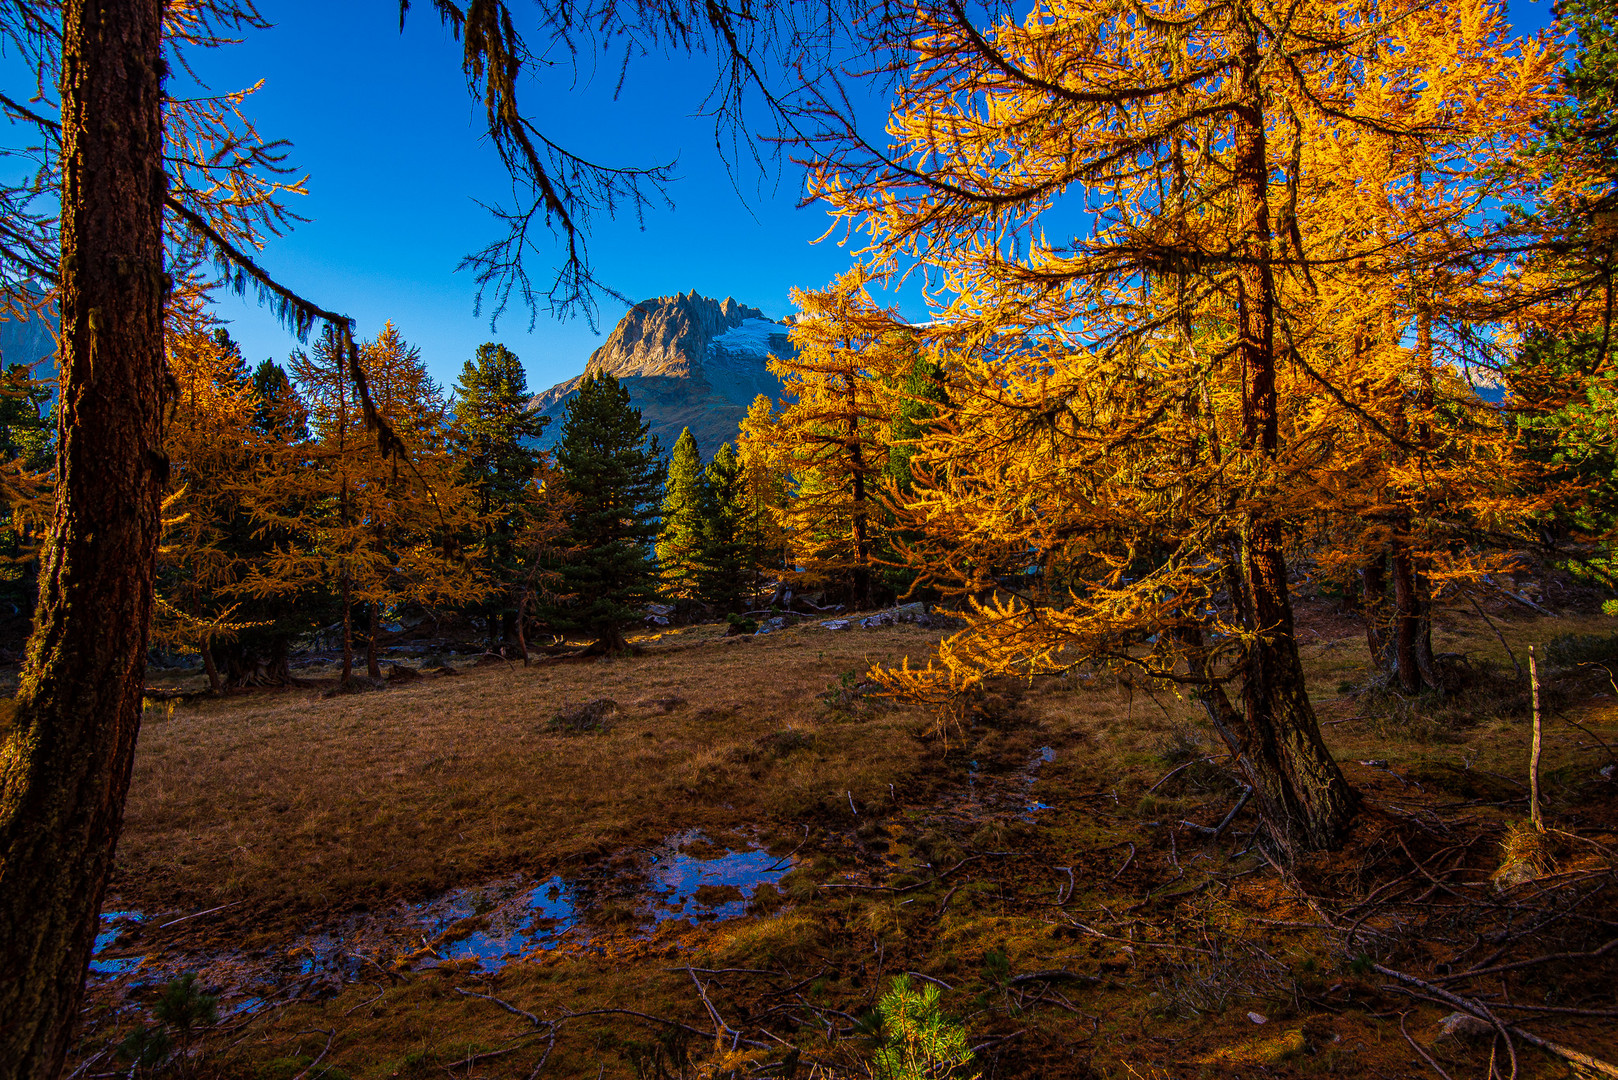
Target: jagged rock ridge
687, 361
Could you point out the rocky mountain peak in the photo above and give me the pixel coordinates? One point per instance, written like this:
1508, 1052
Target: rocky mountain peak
668, 336
687, 361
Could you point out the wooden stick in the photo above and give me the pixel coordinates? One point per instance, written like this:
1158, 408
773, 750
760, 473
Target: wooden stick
1533, 759
1482, 1012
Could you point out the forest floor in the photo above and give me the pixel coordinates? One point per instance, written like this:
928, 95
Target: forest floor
712, 859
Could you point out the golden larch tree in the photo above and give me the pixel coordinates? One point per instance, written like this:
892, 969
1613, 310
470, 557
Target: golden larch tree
1128, 218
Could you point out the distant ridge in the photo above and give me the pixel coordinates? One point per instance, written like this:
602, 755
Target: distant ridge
30, 340
687, 361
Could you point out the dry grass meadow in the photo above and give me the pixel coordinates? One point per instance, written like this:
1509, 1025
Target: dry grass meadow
1106, 936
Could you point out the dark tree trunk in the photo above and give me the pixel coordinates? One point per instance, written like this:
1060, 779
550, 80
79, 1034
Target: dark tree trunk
1413, 626
1406, 622
212, 669
1304, 800
67, 745
373, 620
348, 631
1374, 593
509, 640
246, 666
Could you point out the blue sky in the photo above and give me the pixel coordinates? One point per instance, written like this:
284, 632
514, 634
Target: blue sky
382, 123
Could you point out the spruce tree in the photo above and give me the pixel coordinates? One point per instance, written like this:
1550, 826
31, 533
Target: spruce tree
281, 412
609, 475
682, 523
729, 539
493, 440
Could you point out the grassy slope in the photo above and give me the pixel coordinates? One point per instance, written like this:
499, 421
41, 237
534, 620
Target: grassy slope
297, 807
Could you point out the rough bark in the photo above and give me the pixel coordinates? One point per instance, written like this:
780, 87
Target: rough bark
69, 740
1304, 800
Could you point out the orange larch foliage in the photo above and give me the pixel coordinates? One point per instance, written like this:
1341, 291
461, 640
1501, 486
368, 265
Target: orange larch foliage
1189, 266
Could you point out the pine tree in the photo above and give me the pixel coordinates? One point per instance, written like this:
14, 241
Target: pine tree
681, 522
493, 440
609, 468
281, 412
729, 544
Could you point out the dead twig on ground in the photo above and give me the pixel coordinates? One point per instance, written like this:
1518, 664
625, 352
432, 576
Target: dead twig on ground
1127, 860
1518, 965
330, 1035
1181, 768
506, 1005
1425, 1056
1214, 831
1482, 1012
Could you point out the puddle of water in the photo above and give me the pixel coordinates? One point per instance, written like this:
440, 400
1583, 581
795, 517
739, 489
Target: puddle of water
113, 925
491, 924
719, 887
511, 920
534, 919
1031, 774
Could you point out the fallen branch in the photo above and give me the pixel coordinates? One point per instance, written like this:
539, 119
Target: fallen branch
330, 1035
929, 978
1247, 793
720, 1028
1127, 860
1179, 769
1063, 893
1518, 965
506, 1005
1481, 1011
199, 914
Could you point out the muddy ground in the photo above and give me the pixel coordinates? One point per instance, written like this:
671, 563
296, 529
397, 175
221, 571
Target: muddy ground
713, 858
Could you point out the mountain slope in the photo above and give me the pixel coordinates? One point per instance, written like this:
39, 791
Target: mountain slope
687, 361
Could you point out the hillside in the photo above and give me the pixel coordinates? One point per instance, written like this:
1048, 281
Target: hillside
687, 361
29, 340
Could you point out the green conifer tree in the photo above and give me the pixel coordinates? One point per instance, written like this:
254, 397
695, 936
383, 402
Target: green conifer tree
281, 412
682, 523
609, 475
730, 540
493, 439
